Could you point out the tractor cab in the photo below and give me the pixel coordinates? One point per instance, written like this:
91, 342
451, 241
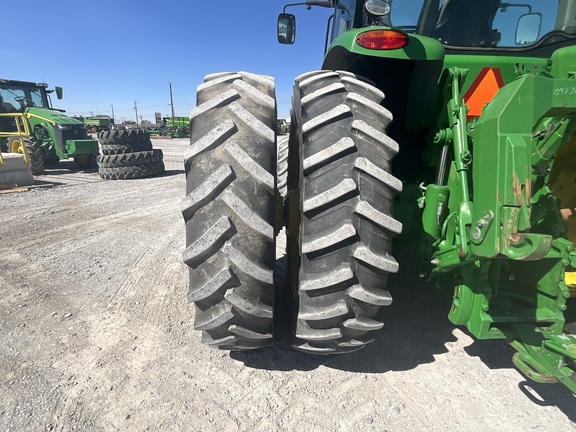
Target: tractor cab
17, 96
472, 24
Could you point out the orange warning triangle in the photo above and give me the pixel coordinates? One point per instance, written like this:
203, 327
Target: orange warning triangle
482, 90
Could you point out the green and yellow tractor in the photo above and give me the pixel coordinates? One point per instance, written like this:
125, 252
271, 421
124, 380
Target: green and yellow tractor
30, 125
442, 127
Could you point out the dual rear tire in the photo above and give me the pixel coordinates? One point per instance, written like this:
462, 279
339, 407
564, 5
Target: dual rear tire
341, 193
230, 209
339, 205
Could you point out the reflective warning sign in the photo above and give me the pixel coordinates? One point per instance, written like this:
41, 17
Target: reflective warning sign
483, 90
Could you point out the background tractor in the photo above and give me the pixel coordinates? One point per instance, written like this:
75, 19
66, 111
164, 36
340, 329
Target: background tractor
173, 127
444, 128
98, 123
30, 125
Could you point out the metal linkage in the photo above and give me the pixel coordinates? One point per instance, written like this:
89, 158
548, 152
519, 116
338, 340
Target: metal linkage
545, 360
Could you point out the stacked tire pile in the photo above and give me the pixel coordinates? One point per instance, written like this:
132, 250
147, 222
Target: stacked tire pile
128, 154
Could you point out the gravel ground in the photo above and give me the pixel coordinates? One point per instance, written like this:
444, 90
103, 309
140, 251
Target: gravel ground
97, 335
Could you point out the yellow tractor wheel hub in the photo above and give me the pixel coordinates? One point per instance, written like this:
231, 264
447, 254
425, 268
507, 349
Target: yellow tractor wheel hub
16, 146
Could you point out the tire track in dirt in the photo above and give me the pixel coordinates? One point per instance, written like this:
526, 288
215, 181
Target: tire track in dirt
95, 225
128, 358
130, 337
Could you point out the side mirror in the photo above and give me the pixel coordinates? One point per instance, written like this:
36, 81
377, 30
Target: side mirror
286, 28
528, 28
58, 92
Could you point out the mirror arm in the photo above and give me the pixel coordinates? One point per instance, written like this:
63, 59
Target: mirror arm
322, 3
330, 19
507, 5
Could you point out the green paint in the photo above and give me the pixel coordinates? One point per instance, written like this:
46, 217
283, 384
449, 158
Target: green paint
59, 136
418, 48
489, 227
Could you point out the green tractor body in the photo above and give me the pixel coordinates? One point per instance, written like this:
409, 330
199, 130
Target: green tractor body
483, 95
442, 127
29, 124
173, 127
98, 123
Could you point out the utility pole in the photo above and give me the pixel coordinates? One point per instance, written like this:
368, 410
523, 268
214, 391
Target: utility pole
112, 106
136, 109
171, 102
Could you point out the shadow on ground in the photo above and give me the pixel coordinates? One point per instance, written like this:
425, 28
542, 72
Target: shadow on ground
416, 328
168, 173
70, 167
551, 395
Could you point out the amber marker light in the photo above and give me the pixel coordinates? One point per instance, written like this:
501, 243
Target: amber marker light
382, 39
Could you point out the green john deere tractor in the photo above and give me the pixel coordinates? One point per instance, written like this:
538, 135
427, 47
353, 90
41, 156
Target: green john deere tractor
173, 127
443, 127
98, 123
29, 125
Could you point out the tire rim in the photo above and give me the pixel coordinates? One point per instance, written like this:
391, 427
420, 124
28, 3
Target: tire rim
16, 146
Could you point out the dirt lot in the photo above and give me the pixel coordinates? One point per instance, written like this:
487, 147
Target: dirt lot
97, 335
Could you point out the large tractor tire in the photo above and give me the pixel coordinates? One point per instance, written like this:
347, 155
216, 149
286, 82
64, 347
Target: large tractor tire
33, 149
282, 168
132, 172
119, 141
340, 204
130, 159
230, 210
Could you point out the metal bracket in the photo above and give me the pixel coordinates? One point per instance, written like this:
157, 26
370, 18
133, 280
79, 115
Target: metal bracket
545, 360
482, 226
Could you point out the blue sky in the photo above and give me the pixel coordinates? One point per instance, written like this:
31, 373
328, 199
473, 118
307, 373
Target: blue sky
105, 52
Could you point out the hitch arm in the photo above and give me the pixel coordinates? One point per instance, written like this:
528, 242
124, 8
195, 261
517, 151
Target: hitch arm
545, 360
457, 110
